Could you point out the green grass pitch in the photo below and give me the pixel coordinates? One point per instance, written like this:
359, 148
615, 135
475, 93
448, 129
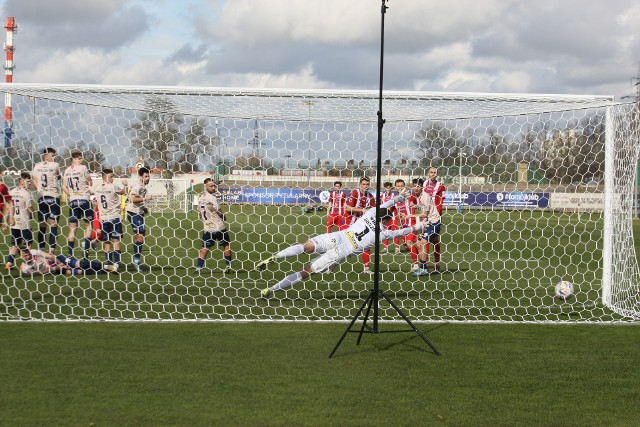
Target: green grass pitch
249, 373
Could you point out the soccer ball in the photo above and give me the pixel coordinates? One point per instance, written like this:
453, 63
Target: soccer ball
564, 290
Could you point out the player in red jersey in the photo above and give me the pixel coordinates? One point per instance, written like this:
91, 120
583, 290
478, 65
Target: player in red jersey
358, 202
4, 201
387, 195
435, 190
406, 213
336, 207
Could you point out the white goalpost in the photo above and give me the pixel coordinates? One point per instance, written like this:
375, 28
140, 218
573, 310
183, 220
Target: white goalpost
539, 189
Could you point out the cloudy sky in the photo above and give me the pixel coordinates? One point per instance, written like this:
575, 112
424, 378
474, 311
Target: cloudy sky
543, 46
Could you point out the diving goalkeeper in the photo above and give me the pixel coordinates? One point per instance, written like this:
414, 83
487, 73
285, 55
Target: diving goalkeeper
336, 247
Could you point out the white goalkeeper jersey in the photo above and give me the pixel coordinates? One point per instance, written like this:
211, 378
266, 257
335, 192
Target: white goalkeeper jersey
361, 235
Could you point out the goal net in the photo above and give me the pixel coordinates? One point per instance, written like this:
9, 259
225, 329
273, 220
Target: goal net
538, 189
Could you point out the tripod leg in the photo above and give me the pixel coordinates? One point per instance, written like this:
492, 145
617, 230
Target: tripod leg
364, 304
366, 315
406, 319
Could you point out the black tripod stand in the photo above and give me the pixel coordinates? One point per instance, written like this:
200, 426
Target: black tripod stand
374, 294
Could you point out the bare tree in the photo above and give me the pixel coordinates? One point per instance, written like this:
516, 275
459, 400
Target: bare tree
168, 140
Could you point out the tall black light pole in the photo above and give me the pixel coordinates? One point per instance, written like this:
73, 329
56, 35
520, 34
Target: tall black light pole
375, 294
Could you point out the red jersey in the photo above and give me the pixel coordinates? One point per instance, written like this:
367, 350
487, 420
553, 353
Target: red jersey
337, 200
4, 198
407, 208
435, 189
358, 199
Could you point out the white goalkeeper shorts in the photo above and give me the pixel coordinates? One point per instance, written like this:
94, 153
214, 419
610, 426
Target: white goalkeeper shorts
333, 252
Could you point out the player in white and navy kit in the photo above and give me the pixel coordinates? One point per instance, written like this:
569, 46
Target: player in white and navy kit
76, 183
435, 191
35, 261
215, 229
335, 248
136, 210
108, 200
19, 214
46, 175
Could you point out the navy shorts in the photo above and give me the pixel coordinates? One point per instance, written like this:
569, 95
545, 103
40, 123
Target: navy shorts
80, 209
137, 223
210, 238
48, 208
21, 237
432, 233
110, 229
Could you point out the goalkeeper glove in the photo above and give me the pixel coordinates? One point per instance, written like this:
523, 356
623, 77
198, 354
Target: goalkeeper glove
404, 195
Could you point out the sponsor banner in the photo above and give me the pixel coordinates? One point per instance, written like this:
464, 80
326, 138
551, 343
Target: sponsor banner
510, 199
594, 201
506, 199
280, 196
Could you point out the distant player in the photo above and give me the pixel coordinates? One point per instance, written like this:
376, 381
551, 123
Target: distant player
405, 212
434, 189
40, 262
360, 200
46, 175
387, 195
215, 229
19, 214
76, 183
334, 248
136, 210
4, 200
336, 207
108, 199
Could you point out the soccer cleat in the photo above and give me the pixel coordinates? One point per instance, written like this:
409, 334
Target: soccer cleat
262, 265
137, 266
266, 293
111, 268
421, 272
398, 250
415, 267
227, 270
436, 269
385, 250
8, 266
367, 270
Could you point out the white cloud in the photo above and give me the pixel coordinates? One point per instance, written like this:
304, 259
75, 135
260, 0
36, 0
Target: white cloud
493, 45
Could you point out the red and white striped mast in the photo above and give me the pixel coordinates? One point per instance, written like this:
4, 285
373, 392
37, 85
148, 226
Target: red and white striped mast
12, 28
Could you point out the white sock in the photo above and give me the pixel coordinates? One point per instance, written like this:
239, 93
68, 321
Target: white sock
291, 251
288, 281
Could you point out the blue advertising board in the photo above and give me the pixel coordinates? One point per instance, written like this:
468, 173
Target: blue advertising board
284, 196
277, 196
506, 199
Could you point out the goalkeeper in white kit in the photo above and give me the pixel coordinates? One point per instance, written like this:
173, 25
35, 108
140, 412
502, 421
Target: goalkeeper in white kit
336, 247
